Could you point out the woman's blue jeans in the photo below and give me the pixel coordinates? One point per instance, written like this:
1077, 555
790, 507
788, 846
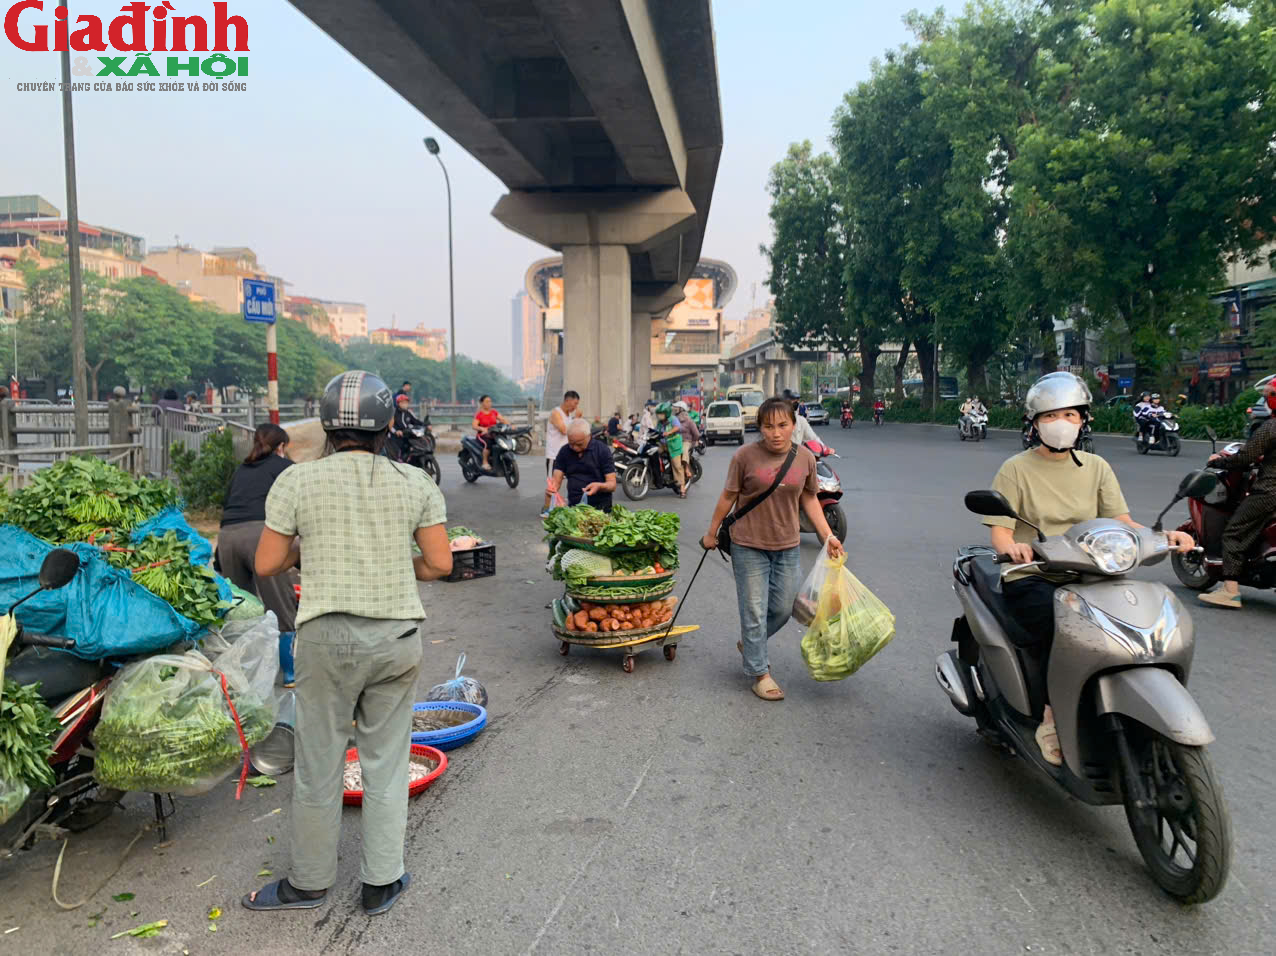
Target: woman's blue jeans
766, 582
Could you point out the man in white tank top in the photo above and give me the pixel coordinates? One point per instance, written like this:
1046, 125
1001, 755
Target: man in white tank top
556, 436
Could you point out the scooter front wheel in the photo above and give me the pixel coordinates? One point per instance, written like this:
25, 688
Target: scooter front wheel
636, 482
836, 519
511, 471
1185, 836
1190, 570
431, 467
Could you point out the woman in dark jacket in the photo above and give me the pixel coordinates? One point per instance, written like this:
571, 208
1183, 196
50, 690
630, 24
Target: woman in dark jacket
243, 518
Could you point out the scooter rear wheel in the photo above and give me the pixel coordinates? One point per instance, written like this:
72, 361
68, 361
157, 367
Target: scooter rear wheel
523, 444
1186, 837
469, 470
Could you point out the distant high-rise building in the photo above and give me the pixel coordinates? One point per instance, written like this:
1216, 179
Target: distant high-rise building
526, 334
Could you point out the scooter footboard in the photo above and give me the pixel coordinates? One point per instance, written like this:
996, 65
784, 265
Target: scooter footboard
1155, 698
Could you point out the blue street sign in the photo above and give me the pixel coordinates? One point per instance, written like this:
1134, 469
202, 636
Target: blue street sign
259, 301
1125, 383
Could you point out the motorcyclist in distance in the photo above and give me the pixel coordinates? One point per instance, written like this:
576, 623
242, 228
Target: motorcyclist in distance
1143, 415
404, 422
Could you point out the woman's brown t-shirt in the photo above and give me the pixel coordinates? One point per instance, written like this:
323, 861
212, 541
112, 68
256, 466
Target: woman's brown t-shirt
772, 525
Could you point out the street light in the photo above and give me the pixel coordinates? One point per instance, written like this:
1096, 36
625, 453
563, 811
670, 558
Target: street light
432, 145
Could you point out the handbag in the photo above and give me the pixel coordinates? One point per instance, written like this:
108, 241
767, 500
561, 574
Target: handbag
724, 529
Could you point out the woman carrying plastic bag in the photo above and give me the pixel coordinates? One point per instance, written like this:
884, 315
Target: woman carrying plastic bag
846, 623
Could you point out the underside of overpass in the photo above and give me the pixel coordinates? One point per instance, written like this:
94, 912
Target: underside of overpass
601, 117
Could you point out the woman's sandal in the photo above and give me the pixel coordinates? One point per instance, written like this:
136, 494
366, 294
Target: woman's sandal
268, 898
766, 688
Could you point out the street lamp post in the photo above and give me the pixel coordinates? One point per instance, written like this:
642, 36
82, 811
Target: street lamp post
78, 364
432, 145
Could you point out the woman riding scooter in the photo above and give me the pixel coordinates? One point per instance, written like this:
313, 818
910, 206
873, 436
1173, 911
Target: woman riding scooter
1054, 487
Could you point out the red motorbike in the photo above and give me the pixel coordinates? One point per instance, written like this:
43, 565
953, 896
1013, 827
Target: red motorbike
848, 416
829, 494
1202, 567
74, 689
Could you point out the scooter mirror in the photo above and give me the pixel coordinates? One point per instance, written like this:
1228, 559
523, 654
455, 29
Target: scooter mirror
1210, 432
1197, 484
990, 504
58, 568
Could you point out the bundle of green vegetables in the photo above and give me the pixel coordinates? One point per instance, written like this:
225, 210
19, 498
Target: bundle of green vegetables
26, 735
162, 565
622, 530
75, 498
167, 729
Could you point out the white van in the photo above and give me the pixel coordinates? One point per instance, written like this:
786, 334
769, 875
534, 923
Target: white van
724, 421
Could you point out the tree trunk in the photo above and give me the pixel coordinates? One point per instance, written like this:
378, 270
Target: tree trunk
93, 370
926, 359
977, 379
900, 364
1049, 346
868, 358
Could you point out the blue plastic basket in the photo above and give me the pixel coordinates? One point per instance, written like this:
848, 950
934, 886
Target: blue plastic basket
450, 738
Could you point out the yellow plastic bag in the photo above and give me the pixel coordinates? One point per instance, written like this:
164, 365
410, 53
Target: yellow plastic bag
846, 623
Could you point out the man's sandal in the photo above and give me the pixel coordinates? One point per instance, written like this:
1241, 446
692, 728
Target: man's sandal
272, 897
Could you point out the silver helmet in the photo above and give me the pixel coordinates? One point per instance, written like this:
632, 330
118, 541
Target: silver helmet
1057, 390
356, 400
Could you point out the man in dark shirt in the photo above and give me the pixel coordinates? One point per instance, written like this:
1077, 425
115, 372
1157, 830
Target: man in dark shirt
1254, 513
613, 424
588, 467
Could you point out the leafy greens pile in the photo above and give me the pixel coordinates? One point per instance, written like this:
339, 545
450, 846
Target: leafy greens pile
622, 530
173, 732
26, 736
163, 566
75, 498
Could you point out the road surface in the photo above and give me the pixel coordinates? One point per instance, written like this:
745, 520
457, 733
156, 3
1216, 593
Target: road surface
671, 811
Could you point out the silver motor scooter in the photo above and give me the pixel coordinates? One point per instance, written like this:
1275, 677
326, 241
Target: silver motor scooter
1129, 730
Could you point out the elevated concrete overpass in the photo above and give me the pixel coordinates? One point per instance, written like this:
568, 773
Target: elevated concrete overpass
603, 119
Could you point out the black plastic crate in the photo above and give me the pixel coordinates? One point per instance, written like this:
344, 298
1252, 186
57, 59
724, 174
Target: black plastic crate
477, 562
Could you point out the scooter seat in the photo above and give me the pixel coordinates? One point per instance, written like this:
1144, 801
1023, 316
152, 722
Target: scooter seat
986, 577
59, 673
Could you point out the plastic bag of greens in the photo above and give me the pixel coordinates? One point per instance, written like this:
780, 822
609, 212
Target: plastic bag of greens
846, 623
460, 688
167, 725
13, 794
247, 605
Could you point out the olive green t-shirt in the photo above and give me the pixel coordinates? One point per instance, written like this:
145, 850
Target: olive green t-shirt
1054, 494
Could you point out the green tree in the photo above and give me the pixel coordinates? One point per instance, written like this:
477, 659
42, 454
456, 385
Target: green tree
1149, 160
44, 328
807, 254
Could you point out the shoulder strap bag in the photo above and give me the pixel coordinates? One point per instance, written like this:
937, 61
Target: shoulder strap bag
724, 529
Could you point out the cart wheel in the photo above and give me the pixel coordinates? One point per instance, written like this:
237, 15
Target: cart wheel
671, 651
628, 665
564, 648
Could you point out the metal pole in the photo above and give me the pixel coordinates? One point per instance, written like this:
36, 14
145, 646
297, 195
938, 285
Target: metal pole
78, 364
451, 293
934, 402
272, 375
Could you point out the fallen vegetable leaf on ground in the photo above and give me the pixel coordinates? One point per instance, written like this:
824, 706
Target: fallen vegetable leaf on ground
206, 882
261, 781
214, 913
145, 931
122, 897
264, 873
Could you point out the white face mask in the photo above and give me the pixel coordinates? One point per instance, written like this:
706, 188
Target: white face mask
1059, 433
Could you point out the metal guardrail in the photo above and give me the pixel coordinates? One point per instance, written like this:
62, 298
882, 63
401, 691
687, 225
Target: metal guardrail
462, 415
15, 476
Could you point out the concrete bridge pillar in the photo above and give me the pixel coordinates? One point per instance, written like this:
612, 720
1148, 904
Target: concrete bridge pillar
645, 310
596, 232
768, 379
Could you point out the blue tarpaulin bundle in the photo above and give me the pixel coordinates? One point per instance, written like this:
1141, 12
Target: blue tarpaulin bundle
102, 609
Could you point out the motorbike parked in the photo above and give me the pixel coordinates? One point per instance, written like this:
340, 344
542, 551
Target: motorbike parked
522, 439
1202, 567
74, 689
829, 493
1130, 732
500, 453
848, 416
973, 426
1164, 436
651, 469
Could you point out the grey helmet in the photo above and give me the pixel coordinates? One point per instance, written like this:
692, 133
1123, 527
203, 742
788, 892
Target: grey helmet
1055, 391
356, 400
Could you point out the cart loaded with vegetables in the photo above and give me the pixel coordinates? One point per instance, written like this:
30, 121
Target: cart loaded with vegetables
618, 572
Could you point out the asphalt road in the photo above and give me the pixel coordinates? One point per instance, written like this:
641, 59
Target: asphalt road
671, 811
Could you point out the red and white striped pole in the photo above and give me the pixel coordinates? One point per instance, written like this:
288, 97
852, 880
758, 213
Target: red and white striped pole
272, 375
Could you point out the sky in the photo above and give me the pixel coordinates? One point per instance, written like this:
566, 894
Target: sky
319, 166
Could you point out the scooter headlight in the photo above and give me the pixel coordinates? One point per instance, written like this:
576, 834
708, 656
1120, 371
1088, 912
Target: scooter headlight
1114, 551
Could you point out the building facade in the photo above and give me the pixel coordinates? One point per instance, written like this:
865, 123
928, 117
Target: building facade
426, 343
216, 277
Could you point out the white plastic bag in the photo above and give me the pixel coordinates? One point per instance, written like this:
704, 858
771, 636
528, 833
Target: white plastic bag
459, 688
167, 726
